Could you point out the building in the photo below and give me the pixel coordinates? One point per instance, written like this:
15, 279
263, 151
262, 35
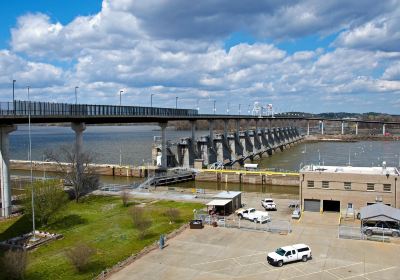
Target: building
336, 188
225, 202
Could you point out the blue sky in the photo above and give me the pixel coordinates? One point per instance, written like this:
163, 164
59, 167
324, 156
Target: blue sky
305, 56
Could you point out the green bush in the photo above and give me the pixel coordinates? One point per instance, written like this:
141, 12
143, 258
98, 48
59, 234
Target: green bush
49, 198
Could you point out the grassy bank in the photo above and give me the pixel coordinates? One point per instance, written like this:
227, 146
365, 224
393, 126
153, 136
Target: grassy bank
102, 223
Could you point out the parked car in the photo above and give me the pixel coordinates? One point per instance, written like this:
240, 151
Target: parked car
382, 228
268, 204
296, 213
288, 254
253, 215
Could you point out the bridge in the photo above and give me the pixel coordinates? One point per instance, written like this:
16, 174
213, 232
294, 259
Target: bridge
233, 147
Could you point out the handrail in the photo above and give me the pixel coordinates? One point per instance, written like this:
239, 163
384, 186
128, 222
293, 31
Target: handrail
23, 108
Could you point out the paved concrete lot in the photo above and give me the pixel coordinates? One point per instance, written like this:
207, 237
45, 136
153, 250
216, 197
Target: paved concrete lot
223, 253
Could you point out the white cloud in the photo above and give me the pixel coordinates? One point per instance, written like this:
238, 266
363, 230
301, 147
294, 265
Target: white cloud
175, 48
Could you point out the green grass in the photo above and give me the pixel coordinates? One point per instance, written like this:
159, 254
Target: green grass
101, 222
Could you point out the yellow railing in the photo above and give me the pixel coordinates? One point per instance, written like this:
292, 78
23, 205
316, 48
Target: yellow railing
250, 172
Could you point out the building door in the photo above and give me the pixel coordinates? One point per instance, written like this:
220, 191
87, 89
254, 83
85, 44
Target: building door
331, 206
312, 205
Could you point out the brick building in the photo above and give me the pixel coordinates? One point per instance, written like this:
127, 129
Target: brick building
336, 188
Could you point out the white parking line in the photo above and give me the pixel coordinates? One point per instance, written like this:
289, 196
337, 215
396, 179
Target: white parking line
363, 274
228, 259
326, 270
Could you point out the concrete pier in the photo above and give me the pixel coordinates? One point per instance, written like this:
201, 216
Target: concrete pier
6, 206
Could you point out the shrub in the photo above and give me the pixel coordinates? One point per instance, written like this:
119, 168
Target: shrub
80, 255
14, 264
50, 198
140, 221
173, 214
125, 198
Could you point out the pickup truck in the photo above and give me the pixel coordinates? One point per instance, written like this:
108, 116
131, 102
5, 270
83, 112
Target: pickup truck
253, 215
291, 253
268, 204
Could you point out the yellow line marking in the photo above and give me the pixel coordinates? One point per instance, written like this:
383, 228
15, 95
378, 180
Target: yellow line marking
249, 172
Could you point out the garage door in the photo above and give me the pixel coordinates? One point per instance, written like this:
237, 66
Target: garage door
331, 205
312, 205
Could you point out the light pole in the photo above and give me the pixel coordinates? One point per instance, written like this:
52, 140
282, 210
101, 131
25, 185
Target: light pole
76, 95
214, 107
227, 109
239, 108
176, 102
151, 100
30, 159
120, 97
13, 96
248, 109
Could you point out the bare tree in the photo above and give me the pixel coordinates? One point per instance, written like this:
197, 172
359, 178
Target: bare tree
14, 264
80, 255
50, 197
173, 214
77, 171
125, 197
140, 221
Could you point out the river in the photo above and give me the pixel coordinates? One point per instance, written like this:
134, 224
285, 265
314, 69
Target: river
134, 142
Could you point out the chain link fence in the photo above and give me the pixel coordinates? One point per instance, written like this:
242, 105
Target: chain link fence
275, 226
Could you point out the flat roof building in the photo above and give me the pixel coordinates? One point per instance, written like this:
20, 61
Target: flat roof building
226, 202
339, 188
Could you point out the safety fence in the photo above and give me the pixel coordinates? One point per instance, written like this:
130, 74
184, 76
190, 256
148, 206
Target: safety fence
273, 226
34, 108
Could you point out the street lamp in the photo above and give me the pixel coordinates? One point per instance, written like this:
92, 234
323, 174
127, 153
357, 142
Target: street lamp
239, 108
214, 107
248, 109
176, 102
14, 96
120, 97
227, 109
151, 99
30, 159
76, 95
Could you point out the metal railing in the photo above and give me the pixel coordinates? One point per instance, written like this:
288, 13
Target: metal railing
22, 108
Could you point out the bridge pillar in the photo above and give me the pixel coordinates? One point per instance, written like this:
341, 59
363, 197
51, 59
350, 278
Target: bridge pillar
342, 128
383, 129
308, 128
226, 122
356, 128
193, 142
211, 132
322, 127
79, 128
164, 160
6, 202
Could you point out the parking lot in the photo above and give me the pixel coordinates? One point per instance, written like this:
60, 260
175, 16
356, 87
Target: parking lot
230, 253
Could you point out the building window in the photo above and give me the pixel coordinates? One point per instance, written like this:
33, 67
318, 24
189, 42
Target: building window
325, 184
387, 187
350, 205
347, 185
310, 184
370, 187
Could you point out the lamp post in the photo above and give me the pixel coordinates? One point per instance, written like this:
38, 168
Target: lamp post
120, 97
13, 99
176, 102
30, 159
239, 108
151, 100
248, 109
214, 107
76, 95
227, 109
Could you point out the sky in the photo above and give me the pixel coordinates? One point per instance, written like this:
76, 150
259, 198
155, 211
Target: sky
311, 56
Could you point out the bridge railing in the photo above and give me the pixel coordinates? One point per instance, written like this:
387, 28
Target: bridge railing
22, 108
